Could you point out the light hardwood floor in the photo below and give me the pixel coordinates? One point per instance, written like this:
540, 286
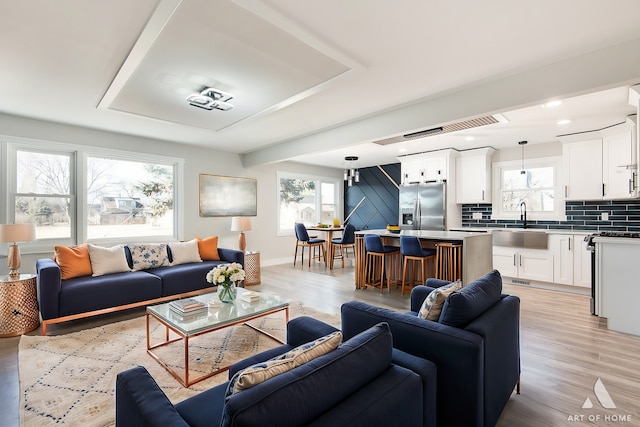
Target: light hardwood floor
564, 349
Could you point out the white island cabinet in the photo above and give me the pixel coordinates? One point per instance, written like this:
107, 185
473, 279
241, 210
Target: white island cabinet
617, 285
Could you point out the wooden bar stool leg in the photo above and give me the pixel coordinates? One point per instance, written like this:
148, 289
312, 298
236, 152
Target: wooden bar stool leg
404, 274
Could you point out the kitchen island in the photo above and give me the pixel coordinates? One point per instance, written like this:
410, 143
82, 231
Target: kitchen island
477, 249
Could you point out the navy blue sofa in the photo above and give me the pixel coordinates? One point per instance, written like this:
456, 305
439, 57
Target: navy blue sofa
63, 300
475, 344
358, 384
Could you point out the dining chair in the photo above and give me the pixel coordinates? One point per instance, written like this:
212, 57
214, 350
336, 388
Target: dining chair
348, 240
303, 240
412, 252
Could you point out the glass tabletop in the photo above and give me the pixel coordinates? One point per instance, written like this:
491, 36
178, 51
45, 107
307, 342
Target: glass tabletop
218, 313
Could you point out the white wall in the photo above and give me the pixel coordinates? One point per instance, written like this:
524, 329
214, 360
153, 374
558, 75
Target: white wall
531, 151
273, 249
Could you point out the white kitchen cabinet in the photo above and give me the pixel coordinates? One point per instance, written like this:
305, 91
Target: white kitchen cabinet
571, 259
618, 165
436, 168
562, 246
412, 170
505, 261
525, 264
581, 262
425, 167
602, 165
473, 176
582, 169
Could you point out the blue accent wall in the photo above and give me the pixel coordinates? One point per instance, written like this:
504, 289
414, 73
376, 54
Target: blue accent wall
380, 205
624, 215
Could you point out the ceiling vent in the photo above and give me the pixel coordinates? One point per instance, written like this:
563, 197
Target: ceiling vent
439, 130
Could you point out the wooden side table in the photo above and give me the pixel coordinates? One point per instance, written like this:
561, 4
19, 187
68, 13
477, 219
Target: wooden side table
251, 268
18, 305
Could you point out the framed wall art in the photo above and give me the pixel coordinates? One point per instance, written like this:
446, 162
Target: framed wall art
228, 196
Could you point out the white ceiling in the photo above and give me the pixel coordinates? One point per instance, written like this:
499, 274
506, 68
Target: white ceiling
317, 80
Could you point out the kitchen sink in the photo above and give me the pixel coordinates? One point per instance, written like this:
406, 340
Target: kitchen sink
520, 239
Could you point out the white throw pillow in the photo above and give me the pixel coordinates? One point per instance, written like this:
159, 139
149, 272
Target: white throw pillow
433, 303
184, 252
107, 260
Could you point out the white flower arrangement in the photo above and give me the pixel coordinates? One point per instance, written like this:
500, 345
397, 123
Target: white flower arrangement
226, 274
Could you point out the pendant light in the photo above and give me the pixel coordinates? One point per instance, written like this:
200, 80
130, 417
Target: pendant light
522, 144
351, 173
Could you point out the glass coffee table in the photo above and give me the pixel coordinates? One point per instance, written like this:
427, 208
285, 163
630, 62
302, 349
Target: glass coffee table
214, 318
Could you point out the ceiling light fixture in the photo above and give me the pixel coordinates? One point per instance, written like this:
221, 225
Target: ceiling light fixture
211, 98
551, 104
522, 144
564, 122
351, 173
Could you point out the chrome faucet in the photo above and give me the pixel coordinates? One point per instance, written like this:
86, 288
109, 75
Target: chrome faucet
523, 214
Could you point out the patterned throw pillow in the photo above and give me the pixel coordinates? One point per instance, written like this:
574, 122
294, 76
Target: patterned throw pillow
260, 372
432, 305
149, 255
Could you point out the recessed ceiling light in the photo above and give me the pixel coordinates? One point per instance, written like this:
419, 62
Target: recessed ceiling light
551, 104
564, 122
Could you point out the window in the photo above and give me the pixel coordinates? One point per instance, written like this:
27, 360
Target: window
307, 199
76, 194
127, 198
43, 193
538, 188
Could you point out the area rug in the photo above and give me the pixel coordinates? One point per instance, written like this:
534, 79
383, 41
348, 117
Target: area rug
70, 379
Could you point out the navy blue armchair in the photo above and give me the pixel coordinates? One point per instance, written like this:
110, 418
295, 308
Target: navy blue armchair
364, 382
475, 345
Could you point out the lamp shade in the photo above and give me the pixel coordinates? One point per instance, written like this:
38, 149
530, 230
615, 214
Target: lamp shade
17, 232
240, 223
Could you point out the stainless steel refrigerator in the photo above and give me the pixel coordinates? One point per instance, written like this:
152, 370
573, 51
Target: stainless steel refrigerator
422, 206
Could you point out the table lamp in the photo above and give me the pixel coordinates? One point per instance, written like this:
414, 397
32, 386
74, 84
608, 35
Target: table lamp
14, 233
241, 224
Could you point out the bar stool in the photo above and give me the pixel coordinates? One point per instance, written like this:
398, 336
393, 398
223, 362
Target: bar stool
375, 251
412, 252
448, 261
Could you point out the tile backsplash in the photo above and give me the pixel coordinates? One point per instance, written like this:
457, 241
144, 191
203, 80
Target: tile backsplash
624, 215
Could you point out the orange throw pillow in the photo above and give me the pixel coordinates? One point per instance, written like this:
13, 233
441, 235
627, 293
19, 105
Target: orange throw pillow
208, 248
73, 261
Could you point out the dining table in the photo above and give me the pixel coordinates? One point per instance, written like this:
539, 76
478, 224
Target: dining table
328, 236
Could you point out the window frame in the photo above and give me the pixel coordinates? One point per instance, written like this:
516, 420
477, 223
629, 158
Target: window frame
318, 198
78, 177
498, 168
